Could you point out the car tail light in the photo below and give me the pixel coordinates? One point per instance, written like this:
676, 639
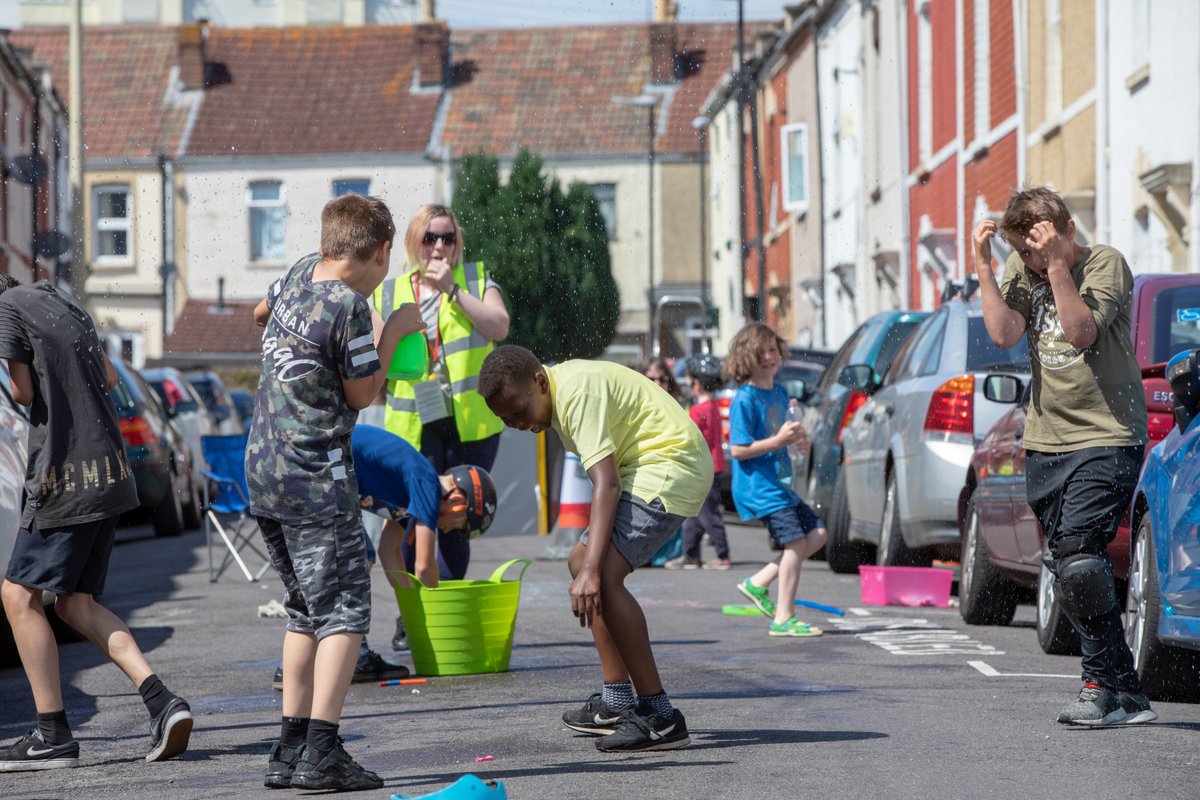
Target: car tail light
854, 402
137, 431
1159, 425
952, 407
723, 410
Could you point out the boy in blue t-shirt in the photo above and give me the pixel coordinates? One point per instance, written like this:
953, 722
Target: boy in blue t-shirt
321, 365
759, 434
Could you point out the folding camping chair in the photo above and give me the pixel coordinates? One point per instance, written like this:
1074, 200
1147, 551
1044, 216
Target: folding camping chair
228, 513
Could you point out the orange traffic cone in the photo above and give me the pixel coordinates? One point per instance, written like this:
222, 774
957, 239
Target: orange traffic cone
574, 508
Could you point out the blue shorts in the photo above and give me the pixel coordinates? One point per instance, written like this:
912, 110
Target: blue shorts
63, 560
792, 523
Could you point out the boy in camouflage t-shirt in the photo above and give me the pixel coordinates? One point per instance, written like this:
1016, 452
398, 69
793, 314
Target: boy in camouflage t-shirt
321, 365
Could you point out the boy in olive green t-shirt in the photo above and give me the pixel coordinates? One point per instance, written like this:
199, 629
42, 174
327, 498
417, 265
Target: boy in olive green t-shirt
650, 469
1085, 429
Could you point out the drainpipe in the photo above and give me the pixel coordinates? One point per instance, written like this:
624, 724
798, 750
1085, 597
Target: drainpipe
901, 8
1103, 231
168, 269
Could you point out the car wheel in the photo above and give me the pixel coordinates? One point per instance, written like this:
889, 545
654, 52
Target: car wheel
893, 552
193, 507
1055, 633
1167, 673
985, 596
168, 516
844, 554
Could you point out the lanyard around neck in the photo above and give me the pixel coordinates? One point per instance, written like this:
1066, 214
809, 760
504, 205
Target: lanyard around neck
437, 328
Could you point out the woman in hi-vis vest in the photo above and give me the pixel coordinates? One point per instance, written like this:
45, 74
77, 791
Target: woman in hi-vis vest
443, 415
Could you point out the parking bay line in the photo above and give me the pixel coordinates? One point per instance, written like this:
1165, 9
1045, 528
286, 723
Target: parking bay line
991, 672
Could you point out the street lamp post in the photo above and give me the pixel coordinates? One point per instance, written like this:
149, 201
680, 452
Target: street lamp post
648, 102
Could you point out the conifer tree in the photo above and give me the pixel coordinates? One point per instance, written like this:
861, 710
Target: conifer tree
547, 249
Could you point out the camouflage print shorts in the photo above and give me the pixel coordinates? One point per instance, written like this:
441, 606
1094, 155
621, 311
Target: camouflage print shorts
324, 570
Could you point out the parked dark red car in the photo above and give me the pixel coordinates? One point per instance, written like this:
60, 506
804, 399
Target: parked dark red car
1001, 539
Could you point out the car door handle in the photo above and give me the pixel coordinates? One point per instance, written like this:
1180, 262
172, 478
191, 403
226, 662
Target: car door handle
868, 416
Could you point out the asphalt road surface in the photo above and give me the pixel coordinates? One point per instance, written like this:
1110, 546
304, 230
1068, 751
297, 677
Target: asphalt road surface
890, 703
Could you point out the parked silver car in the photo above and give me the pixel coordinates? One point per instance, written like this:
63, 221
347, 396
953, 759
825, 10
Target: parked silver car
908, 447
14, 433
185, 407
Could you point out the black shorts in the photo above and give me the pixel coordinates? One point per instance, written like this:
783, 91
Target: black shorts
1079, 497
63, 560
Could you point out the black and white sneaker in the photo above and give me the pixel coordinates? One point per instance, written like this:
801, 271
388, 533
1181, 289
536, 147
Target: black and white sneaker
281, 765
277, 679
32, 753
1137, 709
170, 731
334, 770
372, 667
1094, 706
643, 729
595, 717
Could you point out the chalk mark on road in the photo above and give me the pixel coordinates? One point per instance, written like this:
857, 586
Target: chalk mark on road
991, 672
910, 636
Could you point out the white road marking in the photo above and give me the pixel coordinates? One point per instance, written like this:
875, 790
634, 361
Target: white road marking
992, 672
909, 636
859, 612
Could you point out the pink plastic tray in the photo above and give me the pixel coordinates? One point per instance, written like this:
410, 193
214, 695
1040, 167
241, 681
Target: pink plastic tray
905, 586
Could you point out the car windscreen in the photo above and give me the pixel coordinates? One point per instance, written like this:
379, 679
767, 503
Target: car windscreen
893, 340
983, 355
124, 394
174, 396
1176, 322
206, 389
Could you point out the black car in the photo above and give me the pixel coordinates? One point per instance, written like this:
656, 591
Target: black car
827, 411
158, 455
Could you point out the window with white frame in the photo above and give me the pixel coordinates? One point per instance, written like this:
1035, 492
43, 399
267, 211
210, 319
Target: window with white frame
924, 81
795, 167
359, 186
112, 223
1053, 104
268, 218
606, 196
983, 50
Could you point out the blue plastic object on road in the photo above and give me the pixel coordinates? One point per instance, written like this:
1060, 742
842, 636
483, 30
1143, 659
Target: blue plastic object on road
820, 607
468, 787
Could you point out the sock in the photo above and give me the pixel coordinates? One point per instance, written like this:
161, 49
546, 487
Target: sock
293, 731
54, 727
618, 696
155, 695
661, 704
322, 735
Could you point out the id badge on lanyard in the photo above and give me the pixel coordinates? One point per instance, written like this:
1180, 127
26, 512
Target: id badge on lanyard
433, 396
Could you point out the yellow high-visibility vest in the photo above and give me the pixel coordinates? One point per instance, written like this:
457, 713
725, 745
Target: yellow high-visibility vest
461, 347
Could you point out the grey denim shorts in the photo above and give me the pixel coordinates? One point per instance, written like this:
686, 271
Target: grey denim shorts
640, 528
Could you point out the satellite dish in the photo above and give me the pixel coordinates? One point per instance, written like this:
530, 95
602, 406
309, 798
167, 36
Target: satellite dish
51, 244
30, 169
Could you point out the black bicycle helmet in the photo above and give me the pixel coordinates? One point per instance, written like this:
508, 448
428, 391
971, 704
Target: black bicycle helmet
480, 491
705, 366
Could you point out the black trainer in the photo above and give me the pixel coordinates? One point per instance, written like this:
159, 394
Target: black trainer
1094, 706
170, 731
1137, 709
372, 667
32, 753
277, 679
595, 717
643, 729
400, 639
334, 770
281, 765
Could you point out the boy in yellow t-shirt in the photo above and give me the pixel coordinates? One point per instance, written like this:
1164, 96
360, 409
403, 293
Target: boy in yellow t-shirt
650, 469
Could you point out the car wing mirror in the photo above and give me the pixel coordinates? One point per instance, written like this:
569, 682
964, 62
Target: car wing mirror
859, 377
1183, 373
1002, 388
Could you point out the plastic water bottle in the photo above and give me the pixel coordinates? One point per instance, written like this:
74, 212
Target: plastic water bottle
794, 415
410, 362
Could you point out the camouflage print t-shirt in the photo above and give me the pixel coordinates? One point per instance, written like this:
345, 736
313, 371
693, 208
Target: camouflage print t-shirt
298, 462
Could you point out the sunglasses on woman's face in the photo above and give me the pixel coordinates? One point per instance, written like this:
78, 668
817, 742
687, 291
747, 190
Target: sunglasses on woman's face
448, 239
661, 379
